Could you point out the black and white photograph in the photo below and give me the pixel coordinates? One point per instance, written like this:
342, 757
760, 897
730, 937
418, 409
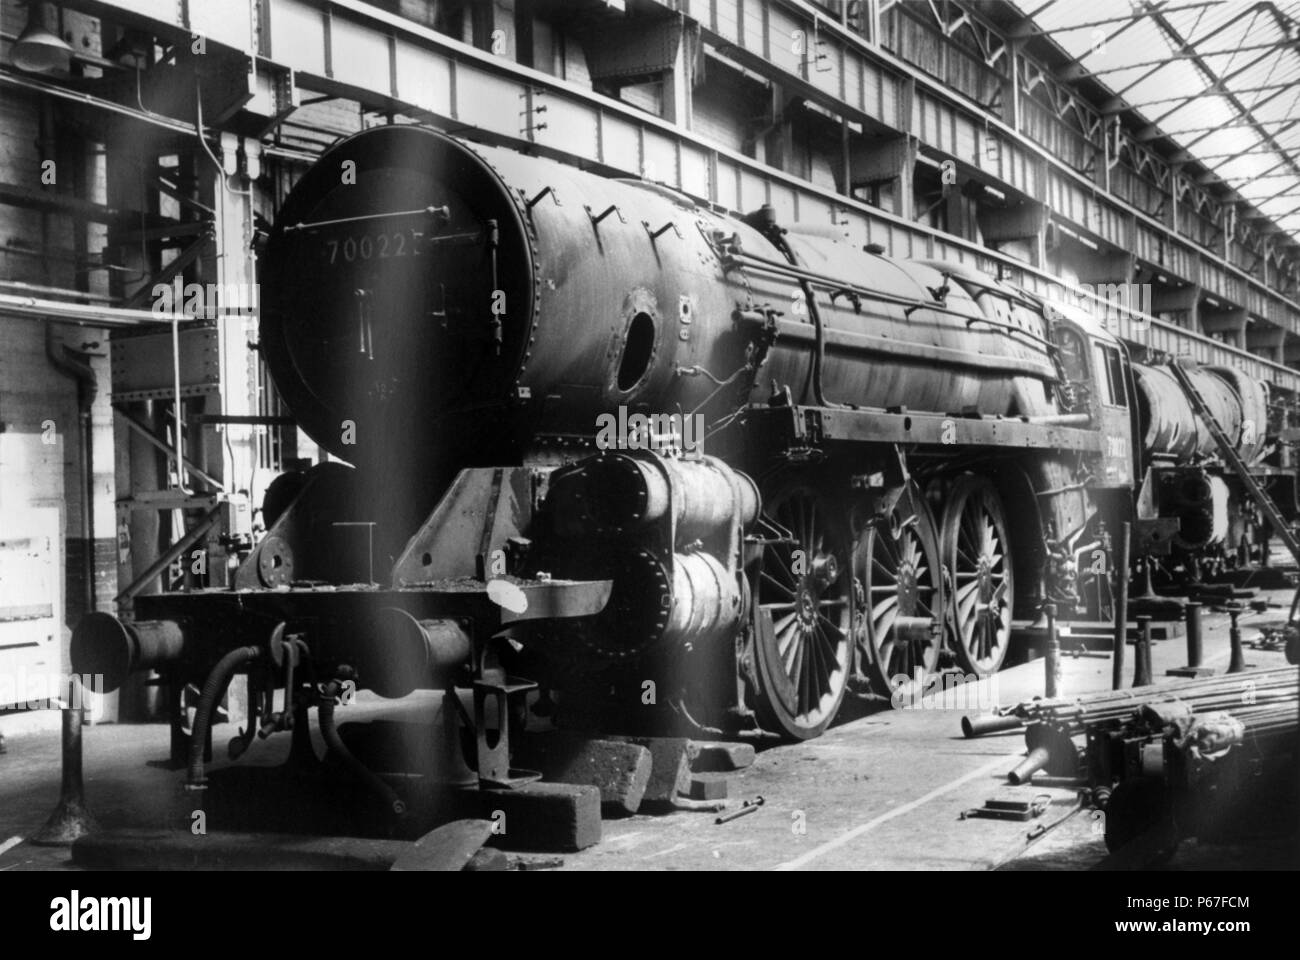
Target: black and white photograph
652, 436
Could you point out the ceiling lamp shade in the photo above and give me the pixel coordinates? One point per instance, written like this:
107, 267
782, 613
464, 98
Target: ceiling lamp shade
37, 50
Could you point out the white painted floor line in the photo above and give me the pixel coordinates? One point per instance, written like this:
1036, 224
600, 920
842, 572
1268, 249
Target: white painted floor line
663, 853
858, 831
850, 835
10, 844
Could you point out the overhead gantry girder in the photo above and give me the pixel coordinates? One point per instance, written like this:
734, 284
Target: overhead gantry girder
389, 64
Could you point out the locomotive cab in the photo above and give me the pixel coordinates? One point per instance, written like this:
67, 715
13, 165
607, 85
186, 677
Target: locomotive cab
1097, 379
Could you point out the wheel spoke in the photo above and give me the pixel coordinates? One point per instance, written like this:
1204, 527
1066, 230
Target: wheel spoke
805, 672
787, 636
801, 678
790, 653
821, 676
886, 622
777, 585
975, 544
832, 633
966, 606
888, 549
888, 603
783, 568
887, 573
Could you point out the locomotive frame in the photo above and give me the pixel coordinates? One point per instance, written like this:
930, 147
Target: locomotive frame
741, 584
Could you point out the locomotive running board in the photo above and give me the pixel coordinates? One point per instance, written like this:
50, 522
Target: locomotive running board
805, 425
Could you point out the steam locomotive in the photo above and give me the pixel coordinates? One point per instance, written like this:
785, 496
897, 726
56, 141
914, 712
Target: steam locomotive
613, 455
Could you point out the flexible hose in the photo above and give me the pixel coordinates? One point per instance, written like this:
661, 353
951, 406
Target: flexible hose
819, 332
213, 688
330, 733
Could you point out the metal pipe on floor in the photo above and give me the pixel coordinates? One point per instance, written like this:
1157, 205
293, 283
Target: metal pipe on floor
1121, 607
1025, 770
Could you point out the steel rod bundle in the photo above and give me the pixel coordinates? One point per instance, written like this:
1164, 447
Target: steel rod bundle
1051, 725
1263, 723
1202, 775
1087, 707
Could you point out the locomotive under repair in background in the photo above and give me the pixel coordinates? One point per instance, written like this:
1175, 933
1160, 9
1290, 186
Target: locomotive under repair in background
897, 459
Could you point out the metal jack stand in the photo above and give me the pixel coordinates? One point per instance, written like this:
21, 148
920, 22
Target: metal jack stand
1142, 654
1052, 658
1120, 637
1237, 662
70, 820
1148, 595
1192, 611
494, 695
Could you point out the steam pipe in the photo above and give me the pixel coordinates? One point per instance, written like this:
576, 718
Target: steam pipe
87, 387
213, 688
819, 331
329, 732
70, 818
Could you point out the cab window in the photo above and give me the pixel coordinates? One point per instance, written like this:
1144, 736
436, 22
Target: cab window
1110, 375
1115, 364
1074, 359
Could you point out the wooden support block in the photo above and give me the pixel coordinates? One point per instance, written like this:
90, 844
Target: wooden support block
719, 757
546, 817
670, 772
619, 770
708, 788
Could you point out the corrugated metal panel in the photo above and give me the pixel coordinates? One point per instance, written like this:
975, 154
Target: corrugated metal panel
425, 81
569, 125
695, 172
622, 144
300, 27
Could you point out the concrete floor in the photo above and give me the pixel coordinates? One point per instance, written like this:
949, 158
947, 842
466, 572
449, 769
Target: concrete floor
883, 791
